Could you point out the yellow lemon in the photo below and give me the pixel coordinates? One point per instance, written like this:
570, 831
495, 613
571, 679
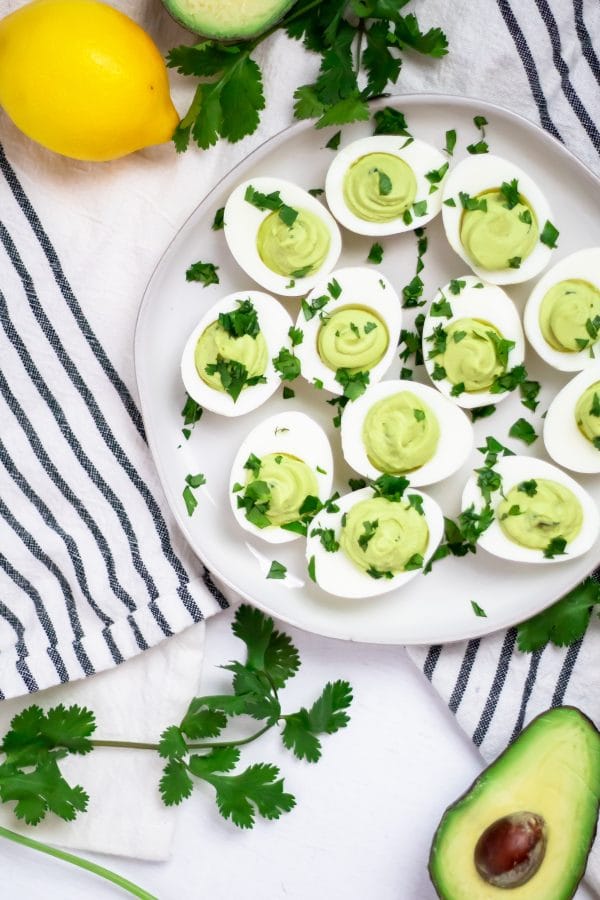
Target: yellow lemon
83, 79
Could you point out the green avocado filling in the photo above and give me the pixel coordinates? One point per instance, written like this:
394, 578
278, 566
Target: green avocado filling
379, 187
216, 343
474, 354
499, 237
383, 536
587, 414
293, 250
534, 519
570, 314
289, 481
400, 433
353, 338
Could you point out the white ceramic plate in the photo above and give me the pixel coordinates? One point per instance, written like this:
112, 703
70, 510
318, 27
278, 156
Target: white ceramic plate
434, 608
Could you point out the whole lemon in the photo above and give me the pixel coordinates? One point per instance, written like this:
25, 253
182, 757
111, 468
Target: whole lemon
83, 79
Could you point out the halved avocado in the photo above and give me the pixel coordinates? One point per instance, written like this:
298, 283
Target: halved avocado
531, 813
228, 20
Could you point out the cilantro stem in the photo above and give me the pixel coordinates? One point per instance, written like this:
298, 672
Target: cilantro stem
205, 745
78, 861
299, 12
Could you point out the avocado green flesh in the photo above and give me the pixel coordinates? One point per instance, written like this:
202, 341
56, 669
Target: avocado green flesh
214, 341
553, 770
347, 339
368, 199
228, 20
396, 439
587, 412
564, 311
400, 532
494, 237
553, 511
290, 481
290, 249
472, 360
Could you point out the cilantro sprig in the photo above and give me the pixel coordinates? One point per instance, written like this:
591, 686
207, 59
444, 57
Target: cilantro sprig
38, 741
349, 37
564, 622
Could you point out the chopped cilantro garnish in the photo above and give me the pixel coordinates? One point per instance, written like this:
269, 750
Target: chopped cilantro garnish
369, 327
384, 182
192, 482
287, 365
563, 623
493, 449
450, 202
439, 373
277, 570
515, 262
415, 562
488, 481
420, 208
556, 547
406, 374
375, 254
255, 502
412, 293
391, 121
595, 407
416, 502
253, 463
502, 347
296, 335
312, 569
376, 573
233, 375
192, 413
528, 487
334, 142
334, 288
316, 192
288, 393
272, 202
525, 217
441, 308
353, 383
549, 235
483, 412
435, 176
327, 538
205, 273
524, 431
318, 384
311, 309
419, 415
458, 336
478, 610
369, 529
472, 203
438, 338
510, 192
529, 391
480, 122
515, 510
219, 219
450, 141
392, 487
301, 273
510, 380
478, 148
458, 389
240, 321
456, 286
407, 217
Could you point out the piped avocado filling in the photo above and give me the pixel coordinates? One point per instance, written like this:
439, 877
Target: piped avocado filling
353, 338
215, 344
500, 236
570, 315
535, 516
293, 250
587, 414
475, 354
380, 536
400, 433
379, 187
288, 480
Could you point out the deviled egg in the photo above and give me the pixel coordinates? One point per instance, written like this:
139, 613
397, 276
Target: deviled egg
281, 469
351, 326
374, 541
541, 515
497, 219
472, 337
402, 427
280, 235
386, 184
572, 423
562, 315
227, 362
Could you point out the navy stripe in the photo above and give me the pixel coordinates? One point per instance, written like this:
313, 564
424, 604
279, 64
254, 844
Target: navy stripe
496, 690
527, 689
66, 291
587, 48
566, 672
530, 67
214, 590
52, 523
139, 637
463, 675
20, 665
563, 70
431, 661
66, 491
108, 437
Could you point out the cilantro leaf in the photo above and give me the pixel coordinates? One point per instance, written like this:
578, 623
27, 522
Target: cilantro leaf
326, 716
556, 547
391, 121
450, 141
269, 650
334, 142
288, 365
175, 784
219, 220
255, 790
241, 321
277, 570
549, 235
478, 610
354, 384
205, 273
375, 254
524, 431
234, 376
564, 622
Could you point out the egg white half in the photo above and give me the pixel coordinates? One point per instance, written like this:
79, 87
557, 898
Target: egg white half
336, 574
564, 441
583, 265
359, 287
514, 470
454, 445
274, 323
489, 303
292, 433
486, 172
419, 155
242, 221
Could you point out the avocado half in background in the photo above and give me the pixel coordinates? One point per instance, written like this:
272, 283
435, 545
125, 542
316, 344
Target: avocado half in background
228, 20
525, 827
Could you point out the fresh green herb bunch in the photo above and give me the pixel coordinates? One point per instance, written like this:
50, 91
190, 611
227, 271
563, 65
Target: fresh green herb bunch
348, 36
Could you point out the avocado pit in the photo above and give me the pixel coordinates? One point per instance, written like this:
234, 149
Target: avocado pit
511, 850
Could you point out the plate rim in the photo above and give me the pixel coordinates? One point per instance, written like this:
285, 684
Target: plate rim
262, 149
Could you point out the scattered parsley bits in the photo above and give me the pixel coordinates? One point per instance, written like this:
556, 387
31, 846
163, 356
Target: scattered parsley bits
233, 375
450, 202
288, 365
240, 321
272, 202
334, 288
556, 547
493, 449
509, 381
483, 412
434, 177
369, 327
528, 487
438, 339
515, 262
407, 219
510, 192
376, 573
302, 273
419, 415
334, 142
219, 219
412, 293
478, 610
439, 373
375, 254
204, 273
549, 235
406, 374
456, 286
450, 141
277, 570
471, 203
354, 384
253, 463
529, 391
328, 539
524, 431
311, 309
525, 217
296, 335
478, 148
416, 501
391, 487
192, 413
420, 208
415, 562
458, 389
488, 481
391, 121
288, 393
369, 529
192, 483
515, 510
458, 336
441, 308
480, 121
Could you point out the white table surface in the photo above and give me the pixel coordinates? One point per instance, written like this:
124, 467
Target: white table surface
365, 815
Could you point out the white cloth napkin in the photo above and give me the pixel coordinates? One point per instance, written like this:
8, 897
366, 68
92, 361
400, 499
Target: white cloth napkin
109, 224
